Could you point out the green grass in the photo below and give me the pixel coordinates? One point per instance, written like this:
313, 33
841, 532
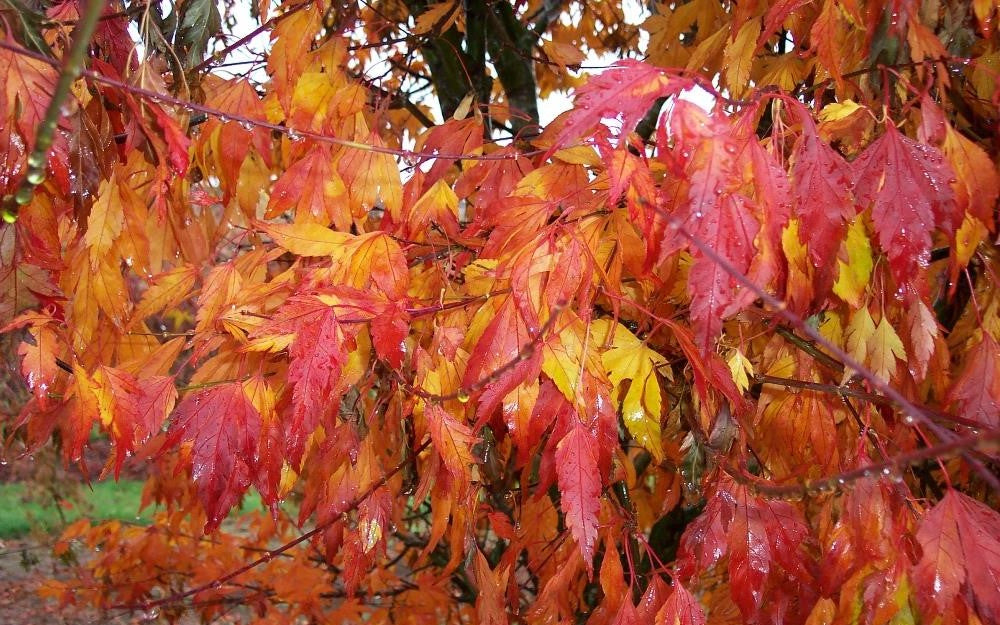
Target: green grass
22, 511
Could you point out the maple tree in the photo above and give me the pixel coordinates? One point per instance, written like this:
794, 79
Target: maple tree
654, 362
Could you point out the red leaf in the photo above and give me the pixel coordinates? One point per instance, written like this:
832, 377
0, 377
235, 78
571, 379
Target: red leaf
729, 230
715, 214
976, 392
823, 202
177, 141
154, 402
463, 136
223, 428
627, 90
317, 356
757, 534
580, 487
680, 608
960, 538
776, 15
908, 186
452, 440
311, 186
749, 560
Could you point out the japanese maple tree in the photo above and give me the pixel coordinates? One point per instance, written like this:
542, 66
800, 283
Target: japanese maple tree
720, 344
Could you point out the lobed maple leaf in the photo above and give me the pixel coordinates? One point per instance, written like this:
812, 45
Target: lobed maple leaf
823, 199
317, 355
961, 557
765, 541
222, 427
626, 90
907, 184
976, 391
714, 212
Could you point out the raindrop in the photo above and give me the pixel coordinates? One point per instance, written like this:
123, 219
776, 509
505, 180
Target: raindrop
886, 471
36, 160
129, 261
23, 196
223, 118
908, 420
187, 221
246, 124
463, 396
293, 135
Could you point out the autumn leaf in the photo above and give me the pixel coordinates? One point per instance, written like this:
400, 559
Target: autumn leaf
627, 89
715, 213
680, 608
976, 391
580, 487
961, 554
823, 200
629, 359
452, 440
306, 239
311, 187
167, 290
907, 186
854, 274
222, 427
738, 57
317, 355
884, 348
105, 222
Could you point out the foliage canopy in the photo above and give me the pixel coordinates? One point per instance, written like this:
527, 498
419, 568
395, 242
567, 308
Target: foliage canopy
650, 363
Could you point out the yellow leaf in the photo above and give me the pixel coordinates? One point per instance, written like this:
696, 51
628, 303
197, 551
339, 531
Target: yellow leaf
561, 360
562, 54
630, 359
708, 51
838, 110
168, 289
738, 58
786, 71
480, 276
852, 279
105, 222
969, 235
884, 347
217, 294
859, 332
799, 290
984, 74
741, 369
306, 239
438, 18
